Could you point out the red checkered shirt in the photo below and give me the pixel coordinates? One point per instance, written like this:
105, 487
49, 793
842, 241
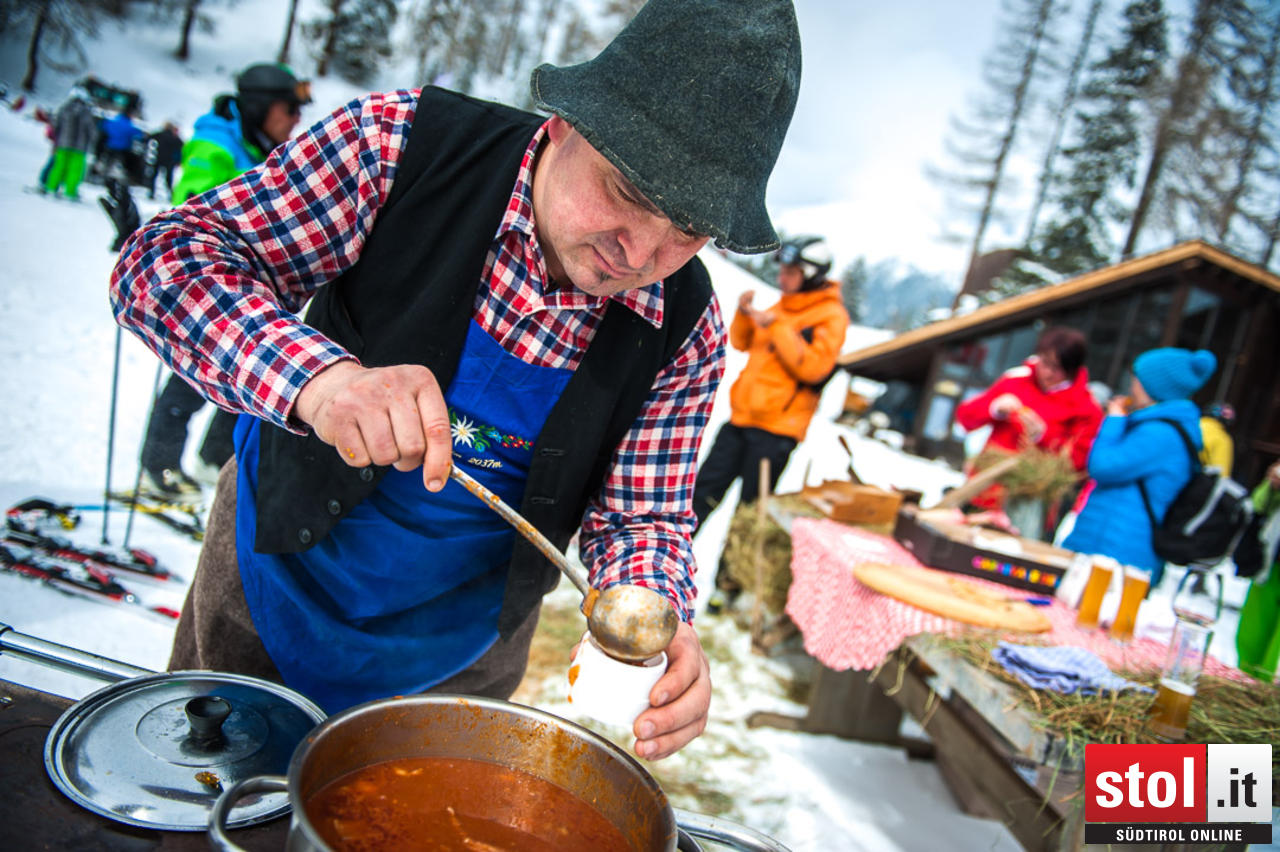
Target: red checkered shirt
214, 287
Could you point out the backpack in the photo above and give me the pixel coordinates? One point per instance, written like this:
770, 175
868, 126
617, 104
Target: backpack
1207, 519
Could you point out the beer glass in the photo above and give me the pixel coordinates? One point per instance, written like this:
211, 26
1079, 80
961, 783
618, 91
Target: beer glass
1167, 717
1197, 603
1094, 591
1136, 583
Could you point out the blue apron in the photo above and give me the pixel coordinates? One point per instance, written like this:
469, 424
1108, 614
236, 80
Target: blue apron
405, 591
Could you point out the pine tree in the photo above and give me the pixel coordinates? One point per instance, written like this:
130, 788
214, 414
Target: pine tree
1062, 111
283, 55
1259, 92
853, 283
354, 37
190, 13
431, 23
57, 26
508, 38
1272, 233
1190, 85
1107, 143
1219, 175
982, 146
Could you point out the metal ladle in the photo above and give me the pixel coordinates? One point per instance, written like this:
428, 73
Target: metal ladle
631, 623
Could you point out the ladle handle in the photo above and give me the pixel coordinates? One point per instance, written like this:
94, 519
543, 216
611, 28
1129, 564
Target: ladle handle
523, 527
65, 658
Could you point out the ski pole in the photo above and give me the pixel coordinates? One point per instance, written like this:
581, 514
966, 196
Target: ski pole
111, 436
137, 479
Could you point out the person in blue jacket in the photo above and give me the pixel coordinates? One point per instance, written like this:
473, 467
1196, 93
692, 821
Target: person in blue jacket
118, 135
1133, 447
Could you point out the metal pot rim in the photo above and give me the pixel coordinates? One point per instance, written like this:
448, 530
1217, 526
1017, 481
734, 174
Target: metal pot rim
303, 825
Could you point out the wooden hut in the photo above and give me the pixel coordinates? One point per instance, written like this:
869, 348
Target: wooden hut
1192, 295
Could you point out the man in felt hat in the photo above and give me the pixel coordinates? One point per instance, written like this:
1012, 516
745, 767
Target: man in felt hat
487, 288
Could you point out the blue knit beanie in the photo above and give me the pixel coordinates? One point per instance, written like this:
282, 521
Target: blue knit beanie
1174, 373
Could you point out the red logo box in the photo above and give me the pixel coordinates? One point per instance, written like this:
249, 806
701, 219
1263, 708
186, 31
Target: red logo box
1145, 783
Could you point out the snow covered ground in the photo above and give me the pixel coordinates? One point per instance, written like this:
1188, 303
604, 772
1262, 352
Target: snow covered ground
57, 346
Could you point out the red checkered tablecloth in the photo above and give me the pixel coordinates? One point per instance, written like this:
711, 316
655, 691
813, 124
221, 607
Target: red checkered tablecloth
849, 626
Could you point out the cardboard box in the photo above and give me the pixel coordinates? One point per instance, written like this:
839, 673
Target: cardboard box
845, 501
1020, 563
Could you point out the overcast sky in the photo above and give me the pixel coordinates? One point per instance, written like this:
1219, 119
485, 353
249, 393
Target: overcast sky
878, 83
880, 79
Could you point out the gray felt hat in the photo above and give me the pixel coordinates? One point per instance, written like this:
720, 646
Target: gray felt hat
691, 102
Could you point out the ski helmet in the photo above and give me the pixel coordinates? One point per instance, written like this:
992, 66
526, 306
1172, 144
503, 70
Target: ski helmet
273, 80
261, 85
811, 255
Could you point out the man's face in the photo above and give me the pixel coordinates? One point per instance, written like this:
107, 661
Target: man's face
596, 230
282, 118
790, 278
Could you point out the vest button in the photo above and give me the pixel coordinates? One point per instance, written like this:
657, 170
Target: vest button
366, 474
304, 535
334, 507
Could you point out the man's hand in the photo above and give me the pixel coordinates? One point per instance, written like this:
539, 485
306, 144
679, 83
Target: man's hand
381, 415
1032, 424
680, 699
1004, 406
745, 299
1118, 406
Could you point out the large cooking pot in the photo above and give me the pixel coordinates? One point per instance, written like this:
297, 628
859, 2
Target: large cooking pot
451, 726
156, 724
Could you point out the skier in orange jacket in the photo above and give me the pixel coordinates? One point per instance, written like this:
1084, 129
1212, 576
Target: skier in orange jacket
792, 350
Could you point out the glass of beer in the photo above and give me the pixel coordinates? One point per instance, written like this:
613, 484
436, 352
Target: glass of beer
1167, 717
1136, 583
1094, 591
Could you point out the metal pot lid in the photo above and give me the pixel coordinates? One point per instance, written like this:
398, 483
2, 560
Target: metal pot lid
156, 751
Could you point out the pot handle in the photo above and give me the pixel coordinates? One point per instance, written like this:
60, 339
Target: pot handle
237, 791
726, 832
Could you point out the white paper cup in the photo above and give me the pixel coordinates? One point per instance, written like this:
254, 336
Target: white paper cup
610, 690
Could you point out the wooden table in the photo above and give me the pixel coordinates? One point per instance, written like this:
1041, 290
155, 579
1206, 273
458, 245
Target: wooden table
997, 760
35, 815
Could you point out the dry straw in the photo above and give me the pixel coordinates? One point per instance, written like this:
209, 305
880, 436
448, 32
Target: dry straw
1039, 474
1224, 711
747, 533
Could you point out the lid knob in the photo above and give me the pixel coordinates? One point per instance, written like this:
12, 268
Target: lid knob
206, 713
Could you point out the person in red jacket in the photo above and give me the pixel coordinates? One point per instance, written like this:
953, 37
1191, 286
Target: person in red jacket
1044, 402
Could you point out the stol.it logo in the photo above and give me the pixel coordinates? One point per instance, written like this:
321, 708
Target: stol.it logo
1178, 793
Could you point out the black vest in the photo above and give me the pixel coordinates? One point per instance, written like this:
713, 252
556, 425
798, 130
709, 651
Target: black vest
409, 299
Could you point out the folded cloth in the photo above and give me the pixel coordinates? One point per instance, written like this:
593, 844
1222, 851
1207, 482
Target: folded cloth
1061, 669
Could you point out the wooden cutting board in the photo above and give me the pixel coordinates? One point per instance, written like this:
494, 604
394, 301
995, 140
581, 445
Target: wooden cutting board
952, 596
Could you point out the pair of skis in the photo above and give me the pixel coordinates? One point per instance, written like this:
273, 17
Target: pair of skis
186, 518
30, 547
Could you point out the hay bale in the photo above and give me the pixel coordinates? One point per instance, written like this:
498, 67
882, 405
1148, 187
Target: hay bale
746, 534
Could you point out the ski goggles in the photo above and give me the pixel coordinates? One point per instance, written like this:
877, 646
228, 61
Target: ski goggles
790, 254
